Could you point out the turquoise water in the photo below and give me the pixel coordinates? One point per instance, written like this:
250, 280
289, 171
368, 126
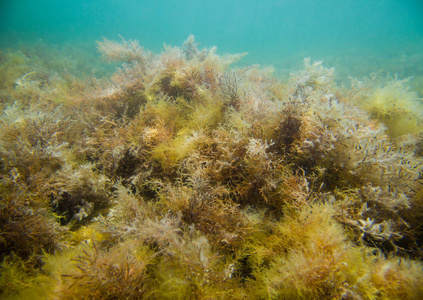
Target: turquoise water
356, 37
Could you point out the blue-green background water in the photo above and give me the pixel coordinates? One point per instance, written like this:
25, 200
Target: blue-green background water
356, 37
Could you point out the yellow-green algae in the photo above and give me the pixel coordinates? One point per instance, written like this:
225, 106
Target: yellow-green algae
179, 178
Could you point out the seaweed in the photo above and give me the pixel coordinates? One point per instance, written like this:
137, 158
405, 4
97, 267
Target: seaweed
27, 230
179, 176
119, 272
391, 101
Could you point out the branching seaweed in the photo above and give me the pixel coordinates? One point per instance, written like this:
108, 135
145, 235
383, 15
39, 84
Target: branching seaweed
178, 177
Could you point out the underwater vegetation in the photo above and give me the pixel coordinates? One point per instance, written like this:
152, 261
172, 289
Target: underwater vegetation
179, 177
